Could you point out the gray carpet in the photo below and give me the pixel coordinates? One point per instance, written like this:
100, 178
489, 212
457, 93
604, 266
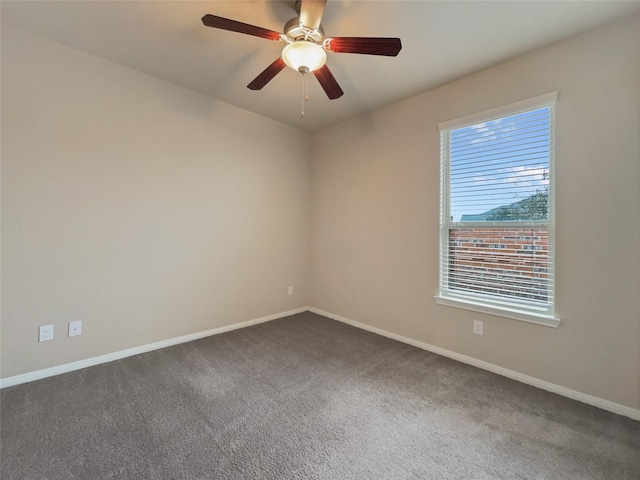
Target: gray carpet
304, 397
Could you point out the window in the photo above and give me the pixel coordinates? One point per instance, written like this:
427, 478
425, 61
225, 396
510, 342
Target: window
496, 225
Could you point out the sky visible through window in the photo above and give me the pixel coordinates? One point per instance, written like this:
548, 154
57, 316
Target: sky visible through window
501, 163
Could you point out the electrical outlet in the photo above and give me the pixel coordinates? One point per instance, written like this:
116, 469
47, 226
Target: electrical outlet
478, 327
45, 333
75, 328
290, 291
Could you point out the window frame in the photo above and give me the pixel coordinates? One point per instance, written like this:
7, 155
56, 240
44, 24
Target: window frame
509, 308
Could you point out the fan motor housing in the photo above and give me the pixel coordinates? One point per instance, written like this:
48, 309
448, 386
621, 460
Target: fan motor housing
295, 31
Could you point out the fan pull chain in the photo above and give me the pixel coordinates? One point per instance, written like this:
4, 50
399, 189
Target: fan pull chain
305, 91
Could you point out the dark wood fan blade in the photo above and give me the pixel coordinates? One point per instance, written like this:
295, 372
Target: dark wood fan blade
311, 12
234, 26
328, 83
389, 47
267, 74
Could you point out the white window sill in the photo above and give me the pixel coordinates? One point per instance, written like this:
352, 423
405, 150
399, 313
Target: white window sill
531, 317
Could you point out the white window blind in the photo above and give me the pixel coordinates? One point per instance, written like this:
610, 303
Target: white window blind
496, 247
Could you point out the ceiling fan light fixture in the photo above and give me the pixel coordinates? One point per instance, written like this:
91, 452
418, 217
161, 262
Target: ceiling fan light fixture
304, 56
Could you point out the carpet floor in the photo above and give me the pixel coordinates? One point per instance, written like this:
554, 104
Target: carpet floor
304, 397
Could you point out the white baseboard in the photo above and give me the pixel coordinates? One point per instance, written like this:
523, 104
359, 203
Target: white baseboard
542, 384
110, 357
520, 377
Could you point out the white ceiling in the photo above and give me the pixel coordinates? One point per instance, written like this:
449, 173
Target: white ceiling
442, 41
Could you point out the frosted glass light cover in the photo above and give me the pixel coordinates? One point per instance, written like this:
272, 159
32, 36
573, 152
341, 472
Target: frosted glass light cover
304, 56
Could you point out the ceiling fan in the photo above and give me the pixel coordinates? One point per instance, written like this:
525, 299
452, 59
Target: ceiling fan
306, 45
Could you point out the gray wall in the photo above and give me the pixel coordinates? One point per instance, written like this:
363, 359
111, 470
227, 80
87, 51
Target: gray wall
375, 215
145, 210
